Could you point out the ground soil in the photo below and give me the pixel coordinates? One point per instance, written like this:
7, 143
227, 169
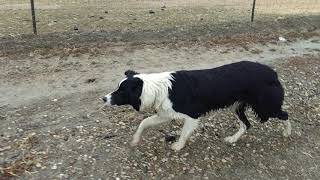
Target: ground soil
50, 122
88, 26
51, 128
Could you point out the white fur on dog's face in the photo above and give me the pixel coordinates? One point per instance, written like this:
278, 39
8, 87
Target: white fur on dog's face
107, 99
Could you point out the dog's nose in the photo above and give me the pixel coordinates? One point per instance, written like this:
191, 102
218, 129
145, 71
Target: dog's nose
104, 99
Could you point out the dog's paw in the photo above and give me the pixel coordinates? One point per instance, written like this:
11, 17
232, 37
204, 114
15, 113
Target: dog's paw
286, 133
135, 141
177, 146
230, 139
287, 129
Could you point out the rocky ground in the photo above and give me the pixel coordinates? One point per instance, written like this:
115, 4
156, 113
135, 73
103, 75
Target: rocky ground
50, 122
51, 125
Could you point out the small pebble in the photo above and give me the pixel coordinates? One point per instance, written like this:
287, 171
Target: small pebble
164, 159
224, 161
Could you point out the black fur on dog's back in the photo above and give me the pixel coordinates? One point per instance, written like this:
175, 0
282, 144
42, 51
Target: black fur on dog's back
197, 92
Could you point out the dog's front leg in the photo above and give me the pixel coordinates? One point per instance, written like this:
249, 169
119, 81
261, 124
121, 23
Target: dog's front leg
148, 122
189, 126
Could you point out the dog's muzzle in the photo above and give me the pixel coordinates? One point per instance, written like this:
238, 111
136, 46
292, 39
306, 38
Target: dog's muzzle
107, 99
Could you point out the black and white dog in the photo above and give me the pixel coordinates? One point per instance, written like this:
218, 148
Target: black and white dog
187, 95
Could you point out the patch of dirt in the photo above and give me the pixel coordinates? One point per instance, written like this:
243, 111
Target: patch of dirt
51, 125
91, 26
49, 75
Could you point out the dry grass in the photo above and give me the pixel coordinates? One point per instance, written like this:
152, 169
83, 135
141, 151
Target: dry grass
26, 161
111, 15
18, 167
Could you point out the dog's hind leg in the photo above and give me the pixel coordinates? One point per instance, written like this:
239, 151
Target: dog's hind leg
287, 128
148, 122
287, 125
244, 124
189, 126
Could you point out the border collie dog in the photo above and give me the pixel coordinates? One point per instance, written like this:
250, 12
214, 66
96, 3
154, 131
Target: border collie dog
187, 95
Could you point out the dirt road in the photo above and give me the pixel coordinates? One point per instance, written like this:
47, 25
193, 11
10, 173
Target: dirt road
45, 130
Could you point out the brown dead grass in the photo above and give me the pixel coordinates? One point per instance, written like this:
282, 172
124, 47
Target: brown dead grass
18, 167
24, 163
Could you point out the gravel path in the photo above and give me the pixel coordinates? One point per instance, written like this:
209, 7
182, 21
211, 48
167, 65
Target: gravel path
45, 130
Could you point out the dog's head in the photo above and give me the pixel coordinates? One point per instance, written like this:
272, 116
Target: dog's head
128, 92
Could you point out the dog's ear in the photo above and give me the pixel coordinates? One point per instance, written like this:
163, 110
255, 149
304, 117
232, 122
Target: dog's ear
130, 73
